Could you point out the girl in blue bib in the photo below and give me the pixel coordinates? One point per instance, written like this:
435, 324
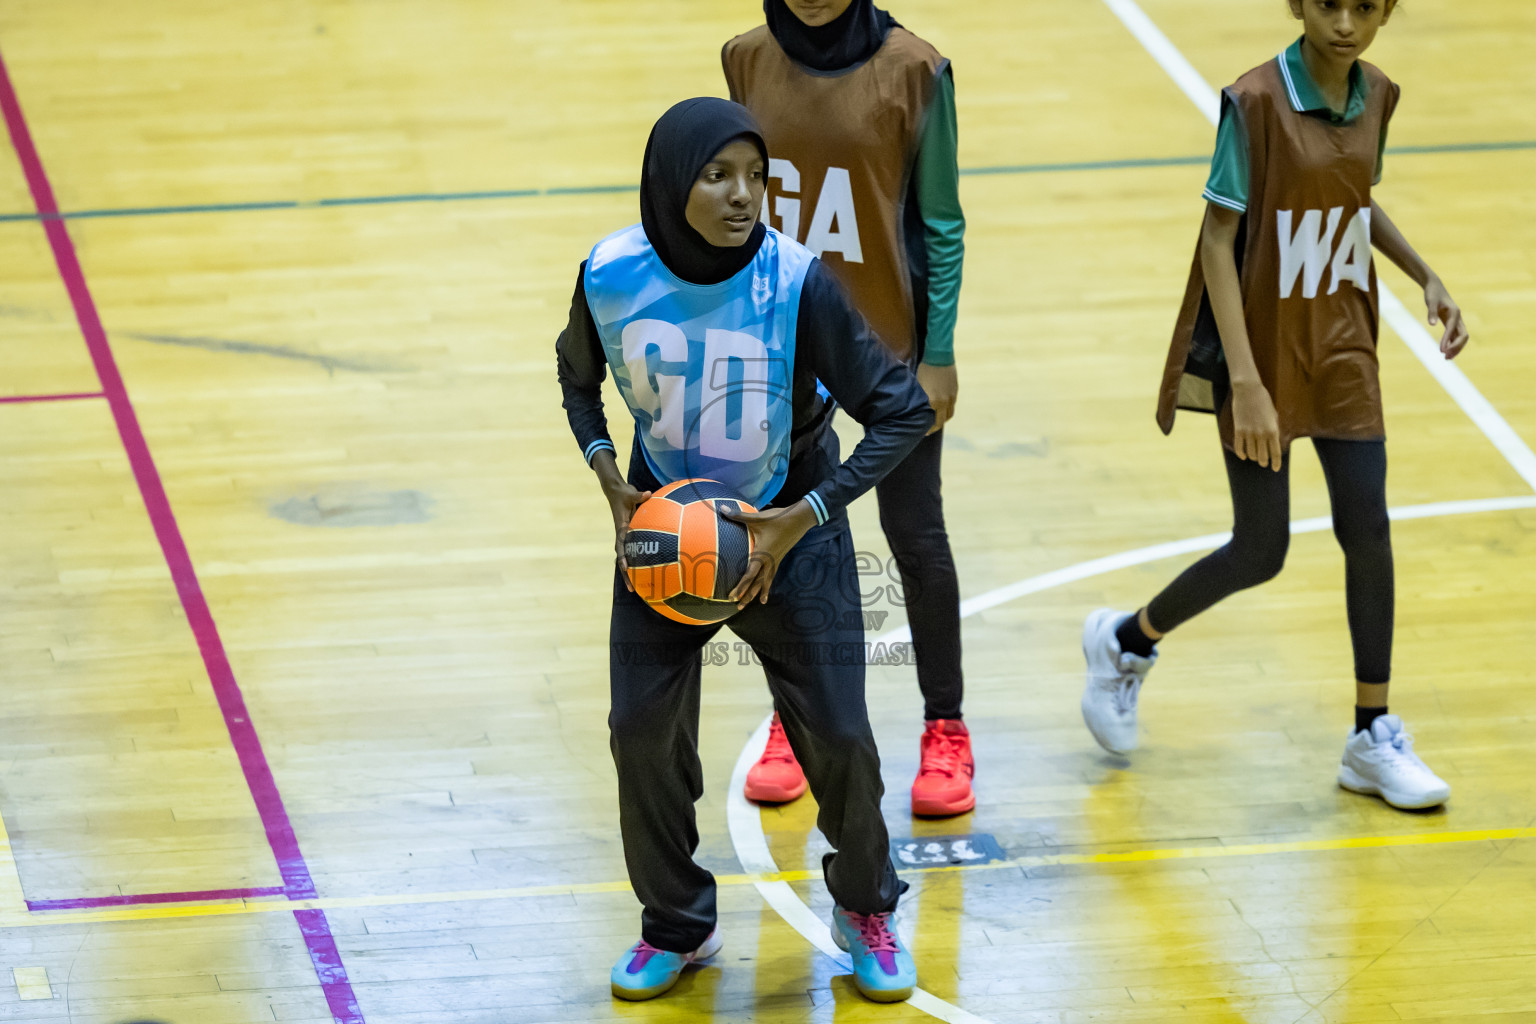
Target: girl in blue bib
726, 339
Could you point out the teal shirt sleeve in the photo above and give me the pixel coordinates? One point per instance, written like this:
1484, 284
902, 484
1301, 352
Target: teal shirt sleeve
937, 178
1228, 184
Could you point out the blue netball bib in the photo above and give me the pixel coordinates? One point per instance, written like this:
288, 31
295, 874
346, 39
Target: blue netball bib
706, 370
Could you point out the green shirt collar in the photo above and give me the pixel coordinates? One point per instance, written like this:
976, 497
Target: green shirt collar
1307, 98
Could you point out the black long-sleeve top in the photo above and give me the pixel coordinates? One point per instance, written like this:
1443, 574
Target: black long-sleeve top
833, 344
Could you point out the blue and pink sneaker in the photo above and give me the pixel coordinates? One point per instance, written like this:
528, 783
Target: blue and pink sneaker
882, 968
645, 972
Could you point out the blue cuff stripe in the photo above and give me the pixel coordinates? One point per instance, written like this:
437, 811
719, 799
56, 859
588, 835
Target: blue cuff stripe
597, 446
818, 506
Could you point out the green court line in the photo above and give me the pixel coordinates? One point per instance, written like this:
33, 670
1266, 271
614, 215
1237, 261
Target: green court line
594, 190
1091, 165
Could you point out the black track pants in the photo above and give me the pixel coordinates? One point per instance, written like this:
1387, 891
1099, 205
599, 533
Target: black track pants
810, 638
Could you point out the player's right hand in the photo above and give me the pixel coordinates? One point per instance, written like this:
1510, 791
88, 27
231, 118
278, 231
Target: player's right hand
623, 499
1256, 427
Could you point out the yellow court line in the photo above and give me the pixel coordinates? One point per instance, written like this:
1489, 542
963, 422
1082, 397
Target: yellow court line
11, 918
12, 899
1256, 849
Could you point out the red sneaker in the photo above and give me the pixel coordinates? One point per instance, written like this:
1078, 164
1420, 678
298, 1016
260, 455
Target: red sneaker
776, 778
943, 785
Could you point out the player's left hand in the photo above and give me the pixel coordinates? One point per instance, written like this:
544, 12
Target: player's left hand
1443, 310
774, 533
942, 385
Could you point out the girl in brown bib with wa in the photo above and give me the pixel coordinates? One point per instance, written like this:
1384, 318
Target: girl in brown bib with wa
1277, 336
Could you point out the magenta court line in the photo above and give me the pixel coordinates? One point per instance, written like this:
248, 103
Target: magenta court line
297, 883
91, 902
18, 399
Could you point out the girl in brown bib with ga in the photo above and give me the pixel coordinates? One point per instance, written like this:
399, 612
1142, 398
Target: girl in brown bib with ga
1277, 336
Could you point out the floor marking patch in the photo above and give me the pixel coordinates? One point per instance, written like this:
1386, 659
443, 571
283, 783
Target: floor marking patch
945, 851
32, 982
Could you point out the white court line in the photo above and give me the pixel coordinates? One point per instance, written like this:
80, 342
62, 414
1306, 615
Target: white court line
1414, 334
1168, 56
1461, 389
1126, 559
747, 836
746, 821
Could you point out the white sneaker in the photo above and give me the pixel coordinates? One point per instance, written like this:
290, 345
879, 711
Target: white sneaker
1380, 761
1114, 682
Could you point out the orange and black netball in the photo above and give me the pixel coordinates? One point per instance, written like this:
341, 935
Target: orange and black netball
684, 557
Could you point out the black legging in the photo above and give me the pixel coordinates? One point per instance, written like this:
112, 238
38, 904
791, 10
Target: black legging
1261, 498
912, 516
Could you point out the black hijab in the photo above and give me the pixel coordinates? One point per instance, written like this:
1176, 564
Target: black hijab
685, 139
849, 39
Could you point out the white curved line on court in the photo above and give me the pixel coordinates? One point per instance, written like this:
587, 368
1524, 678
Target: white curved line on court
1126, 559
751, 845
1407, 326
746, 821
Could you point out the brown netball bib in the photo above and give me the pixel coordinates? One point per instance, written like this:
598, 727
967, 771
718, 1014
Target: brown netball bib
1306, 268
842, 145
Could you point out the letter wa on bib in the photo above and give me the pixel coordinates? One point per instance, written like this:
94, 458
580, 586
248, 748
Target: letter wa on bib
706, 370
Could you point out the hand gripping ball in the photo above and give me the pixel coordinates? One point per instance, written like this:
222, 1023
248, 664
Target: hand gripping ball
684, 557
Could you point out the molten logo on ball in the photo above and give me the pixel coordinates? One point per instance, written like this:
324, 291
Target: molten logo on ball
684, 557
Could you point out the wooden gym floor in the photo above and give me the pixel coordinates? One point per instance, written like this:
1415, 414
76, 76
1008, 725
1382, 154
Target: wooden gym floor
303, 582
